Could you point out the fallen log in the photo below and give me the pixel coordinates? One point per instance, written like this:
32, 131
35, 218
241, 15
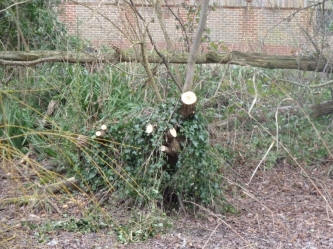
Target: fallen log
32, 58
322, 109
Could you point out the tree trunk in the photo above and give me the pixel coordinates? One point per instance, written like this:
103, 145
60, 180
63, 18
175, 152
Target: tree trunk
188, 99
188, 85
32, 58
322, 109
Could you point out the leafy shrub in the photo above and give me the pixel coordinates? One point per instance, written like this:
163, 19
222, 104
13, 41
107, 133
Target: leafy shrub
135, 167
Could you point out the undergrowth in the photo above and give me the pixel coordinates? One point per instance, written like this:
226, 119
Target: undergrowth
126, 151
241, 112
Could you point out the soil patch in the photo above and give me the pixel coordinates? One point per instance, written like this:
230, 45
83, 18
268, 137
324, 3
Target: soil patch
283, 207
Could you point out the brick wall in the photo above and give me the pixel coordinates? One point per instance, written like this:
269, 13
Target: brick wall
259, 26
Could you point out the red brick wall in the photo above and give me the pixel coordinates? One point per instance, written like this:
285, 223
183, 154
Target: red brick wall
244, 27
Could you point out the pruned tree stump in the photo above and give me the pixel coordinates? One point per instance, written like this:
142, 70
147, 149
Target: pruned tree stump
189, 100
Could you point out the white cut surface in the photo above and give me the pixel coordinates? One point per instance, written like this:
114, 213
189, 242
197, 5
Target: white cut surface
173, 132
149, 128
188, 98
163, 148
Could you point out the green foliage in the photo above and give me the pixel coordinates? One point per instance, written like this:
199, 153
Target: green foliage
139, 227
20, 120
248, 138
127, 163
148, 172
189, 26
91, 223
82, 98
197, 177
142, 226
33, 24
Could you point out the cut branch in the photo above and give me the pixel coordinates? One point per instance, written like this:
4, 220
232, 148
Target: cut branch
100, 134
151, 79
168, 150
51, 107
32, 58
149, 129
62, 185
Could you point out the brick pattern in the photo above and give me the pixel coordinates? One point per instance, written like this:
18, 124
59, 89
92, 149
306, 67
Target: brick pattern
67, 15
239, 25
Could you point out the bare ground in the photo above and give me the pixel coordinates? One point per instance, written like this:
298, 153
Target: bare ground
281, 208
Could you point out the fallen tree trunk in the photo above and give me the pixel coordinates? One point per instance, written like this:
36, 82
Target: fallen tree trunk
322, 109
32, 58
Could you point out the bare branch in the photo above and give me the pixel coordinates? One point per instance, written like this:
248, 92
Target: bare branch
13, 5
292, 15
330, 82
102, 15
158, 10
308, 36
165, 62
195, 46
149, 73
182, 26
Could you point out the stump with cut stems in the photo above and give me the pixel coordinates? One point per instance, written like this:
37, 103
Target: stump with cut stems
164, 152
172, 145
